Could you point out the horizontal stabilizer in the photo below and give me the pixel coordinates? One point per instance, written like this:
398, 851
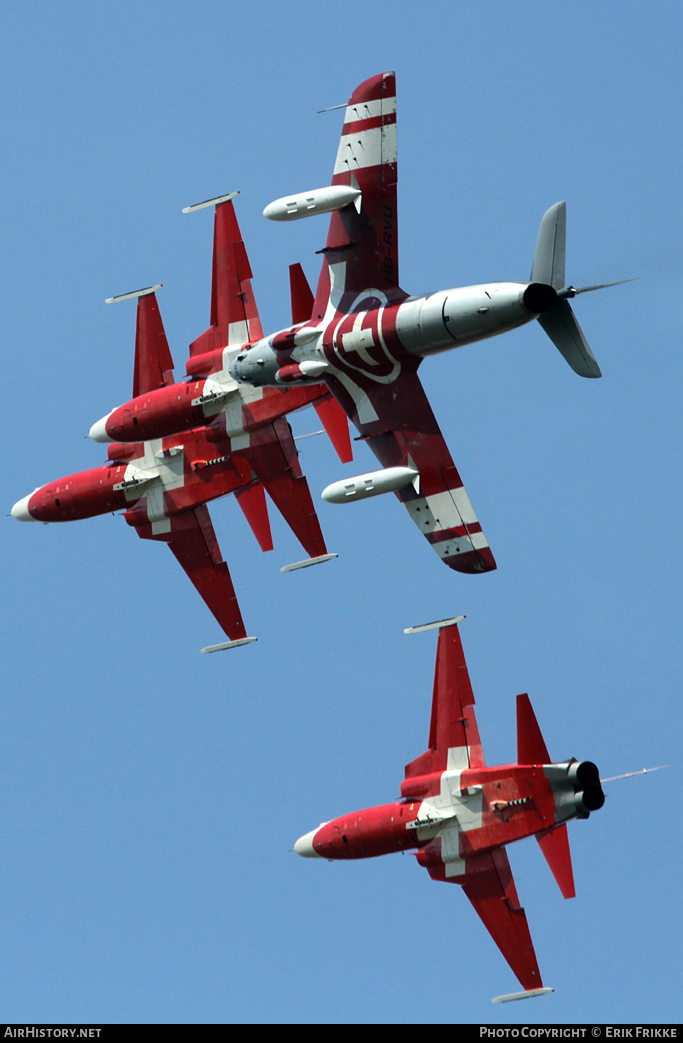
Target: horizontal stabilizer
559, 322
531, 747
555, 848
548, 269
252, 500
273, 458
336, 424
301, 295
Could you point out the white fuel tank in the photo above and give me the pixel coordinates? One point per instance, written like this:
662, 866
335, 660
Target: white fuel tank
374, 483
305, 204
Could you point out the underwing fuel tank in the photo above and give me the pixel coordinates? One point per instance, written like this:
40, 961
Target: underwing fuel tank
305, 204
374, 483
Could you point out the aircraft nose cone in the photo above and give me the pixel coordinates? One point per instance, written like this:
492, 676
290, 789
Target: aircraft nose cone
98, 431
20, 509
304, 845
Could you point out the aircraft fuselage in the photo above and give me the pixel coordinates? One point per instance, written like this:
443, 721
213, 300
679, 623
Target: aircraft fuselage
464, 813
151, 481
377, 336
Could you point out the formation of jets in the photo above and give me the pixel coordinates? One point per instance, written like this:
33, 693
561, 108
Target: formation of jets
352, 350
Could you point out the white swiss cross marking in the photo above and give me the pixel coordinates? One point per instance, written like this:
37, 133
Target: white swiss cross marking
160, 471
458, 811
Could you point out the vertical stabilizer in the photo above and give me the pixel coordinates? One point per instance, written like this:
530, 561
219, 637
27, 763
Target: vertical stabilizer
549, 259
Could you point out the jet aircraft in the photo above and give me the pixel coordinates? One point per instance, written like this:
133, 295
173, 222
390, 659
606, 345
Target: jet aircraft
163, 482
456, 814
366, 337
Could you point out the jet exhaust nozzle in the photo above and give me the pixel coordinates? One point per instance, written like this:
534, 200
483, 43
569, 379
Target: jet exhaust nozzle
588, 794
539, 297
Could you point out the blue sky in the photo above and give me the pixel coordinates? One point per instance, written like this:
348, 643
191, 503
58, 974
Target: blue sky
152, 795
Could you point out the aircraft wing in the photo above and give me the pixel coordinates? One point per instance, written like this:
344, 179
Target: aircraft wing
453, 732
396, 421
153, 362
234, 315
366, 239
489, 885
193, 541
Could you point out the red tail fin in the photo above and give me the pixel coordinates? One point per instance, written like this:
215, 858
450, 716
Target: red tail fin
555, 848
273, 458
301, 294
334, 420
531, 747
252, 500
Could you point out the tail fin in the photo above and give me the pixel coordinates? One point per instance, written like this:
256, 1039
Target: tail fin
531, 747
555, 848
336, 424
301, 295
548, 269
548, 266
252, 500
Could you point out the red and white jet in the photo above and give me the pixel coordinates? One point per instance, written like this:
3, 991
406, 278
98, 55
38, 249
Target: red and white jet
458, 815
209, 395
365, 337
164, 482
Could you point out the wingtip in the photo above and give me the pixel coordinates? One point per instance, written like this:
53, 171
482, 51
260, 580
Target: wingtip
527, 994
228, 644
